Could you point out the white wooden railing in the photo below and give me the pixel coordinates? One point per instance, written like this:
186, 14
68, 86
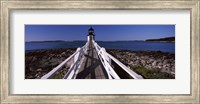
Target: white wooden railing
73, 61
106, 61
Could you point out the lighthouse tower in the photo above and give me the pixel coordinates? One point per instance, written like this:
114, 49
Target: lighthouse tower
91, 34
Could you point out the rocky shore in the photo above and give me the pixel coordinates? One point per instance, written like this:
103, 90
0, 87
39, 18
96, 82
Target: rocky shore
149, 64
40, 62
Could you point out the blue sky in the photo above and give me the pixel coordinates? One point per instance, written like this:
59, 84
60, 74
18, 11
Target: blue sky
102, 32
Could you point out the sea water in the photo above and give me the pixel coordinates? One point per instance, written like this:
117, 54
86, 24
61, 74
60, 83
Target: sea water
123, 45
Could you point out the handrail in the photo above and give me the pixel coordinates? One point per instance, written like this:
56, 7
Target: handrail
103, 55
97, 47
106, 64
129, 71
110, 71
57, 68
71, 73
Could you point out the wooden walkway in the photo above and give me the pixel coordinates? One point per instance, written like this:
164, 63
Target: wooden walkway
91, 68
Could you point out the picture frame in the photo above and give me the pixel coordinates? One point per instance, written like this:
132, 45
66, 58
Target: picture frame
8, 6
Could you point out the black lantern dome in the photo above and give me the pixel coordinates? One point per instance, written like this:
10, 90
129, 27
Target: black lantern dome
91, 31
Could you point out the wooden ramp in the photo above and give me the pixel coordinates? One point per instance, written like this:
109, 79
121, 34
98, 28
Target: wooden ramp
91, 67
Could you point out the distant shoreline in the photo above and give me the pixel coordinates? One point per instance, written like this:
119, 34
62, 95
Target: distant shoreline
167, 39
162, 41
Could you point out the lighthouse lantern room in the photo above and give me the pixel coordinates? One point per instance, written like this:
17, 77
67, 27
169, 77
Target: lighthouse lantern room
91, 34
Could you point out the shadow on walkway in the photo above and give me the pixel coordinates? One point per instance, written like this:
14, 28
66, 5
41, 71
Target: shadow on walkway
93, 68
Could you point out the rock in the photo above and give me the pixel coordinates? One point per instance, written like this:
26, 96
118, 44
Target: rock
40, 62
131, 62
34, 59
159, 67
164, 66
165, 62
39, 69
63, 53
154, 63
151, 60
143, 62
137, 61
159, 64
31, 69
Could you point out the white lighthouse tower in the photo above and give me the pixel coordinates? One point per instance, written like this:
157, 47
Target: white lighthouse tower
91, 34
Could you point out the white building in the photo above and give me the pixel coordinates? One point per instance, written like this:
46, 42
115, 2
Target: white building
91, 34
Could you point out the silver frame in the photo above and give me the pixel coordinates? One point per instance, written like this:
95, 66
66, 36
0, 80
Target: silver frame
8, 5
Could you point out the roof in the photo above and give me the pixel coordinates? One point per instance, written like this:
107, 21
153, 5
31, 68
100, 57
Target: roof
91, 29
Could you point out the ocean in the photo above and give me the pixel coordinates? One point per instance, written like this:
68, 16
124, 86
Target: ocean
123, 45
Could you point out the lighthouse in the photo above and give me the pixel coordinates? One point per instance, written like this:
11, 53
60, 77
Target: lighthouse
91, 34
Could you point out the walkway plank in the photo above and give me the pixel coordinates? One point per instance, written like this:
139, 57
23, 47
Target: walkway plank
91, 68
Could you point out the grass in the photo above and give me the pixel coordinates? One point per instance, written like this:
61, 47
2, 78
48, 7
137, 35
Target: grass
151, 73
57, 76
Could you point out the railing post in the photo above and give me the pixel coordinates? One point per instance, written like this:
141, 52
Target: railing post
106, 65
105, 55
73, 69
68, 61
125, 68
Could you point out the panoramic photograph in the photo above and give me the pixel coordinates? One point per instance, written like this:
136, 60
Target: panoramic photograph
99, 51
